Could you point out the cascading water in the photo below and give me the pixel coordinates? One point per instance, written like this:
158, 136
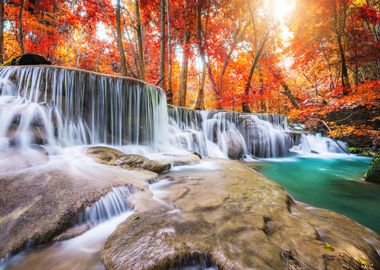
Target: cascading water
65, 107
230, 134
84, 250
310, 143
71, 107
113, 204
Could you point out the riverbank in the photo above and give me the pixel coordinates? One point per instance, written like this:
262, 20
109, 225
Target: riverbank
215, 213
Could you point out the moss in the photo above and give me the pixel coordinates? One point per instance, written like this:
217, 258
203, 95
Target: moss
360, 151
373, 174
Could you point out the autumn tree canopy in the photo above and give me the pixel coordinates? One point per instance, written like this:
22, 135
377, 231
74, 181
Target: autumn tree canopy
246, 55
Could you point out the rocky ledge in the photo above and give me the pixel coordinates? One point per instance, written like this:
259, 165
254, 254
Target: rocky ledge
40, 197
213, 213
226, 215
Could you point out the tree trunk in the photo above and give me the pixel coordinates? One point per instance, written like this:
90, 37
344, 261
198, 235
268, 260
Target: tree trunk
245, 104
340, 24
261, 89
119, 34
345, 80
20, 29
185, 62
287, 92
162, 44
2, 19
202, 51
140, 39
239, 32
169, 93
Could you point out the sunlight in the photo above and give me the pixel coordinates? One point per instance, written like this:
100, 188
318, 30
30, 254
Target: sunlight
282, 8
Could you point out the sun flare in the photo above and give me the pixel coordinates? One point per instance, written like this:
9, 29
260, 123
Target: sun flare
282, 8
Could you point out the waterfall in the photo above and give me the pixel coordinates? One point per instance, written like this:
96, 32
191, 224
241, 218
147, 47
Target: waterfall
63, 107
233, 134
316, 143
71, 107
113, 204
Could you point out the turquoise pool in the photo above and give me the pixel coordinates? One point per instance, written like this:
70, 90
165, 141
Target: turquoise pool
331, 182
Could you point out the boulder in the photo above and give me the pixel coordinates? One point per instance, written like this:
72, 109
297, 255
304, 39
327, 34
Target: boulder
28, 59
40, 202
373, 174
234, 144
176, 159
103, 154
155, 166
113, 157
232, 217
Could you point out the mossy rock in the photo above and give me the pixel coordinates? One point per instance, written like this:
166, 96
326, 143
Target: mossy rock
373, 174
360, 151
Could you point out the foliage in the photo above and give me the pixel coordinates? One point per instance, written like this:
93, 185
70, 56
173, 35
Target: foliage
324, 56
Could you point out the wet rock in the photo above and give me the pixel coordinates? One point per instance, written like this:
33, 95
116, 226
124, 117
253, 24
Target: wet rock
104, 155
235, 147
40, 202
37, 134
177, 159
114, 157
155, 166
132, 161
373, 174
234, 218
72, 232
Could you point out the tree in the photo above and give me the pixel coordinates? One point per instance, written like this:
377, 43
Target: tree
201, 39
185, 57
339, 19
162, 44
120, 45
140, 40
2, 20
169, 92
20, 28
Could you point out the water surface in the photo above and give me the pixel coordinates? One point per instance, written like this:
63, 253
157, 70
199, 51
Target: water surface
332, 182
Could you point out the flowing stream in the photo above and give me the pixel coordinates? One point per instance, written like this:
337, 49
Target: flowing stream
62, 107
55, 109
84, 250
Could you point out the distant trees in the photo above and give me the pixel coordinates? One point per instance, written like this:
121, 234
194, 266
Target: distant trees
207, 53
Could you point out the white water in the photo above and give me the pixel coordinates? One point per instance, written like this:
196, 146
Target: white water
83, 251
62, 107
317, 144
111, 205
63, 110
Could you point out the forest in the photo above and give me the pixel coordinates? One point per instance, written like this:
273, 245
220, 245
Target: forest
190, 134
300, 58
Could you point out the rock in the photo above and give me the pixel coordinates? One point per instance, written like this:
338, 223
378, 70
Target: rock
373, 174
360, 151
132, 161
40, 202
103, 154
234, 218
360, 118
114, 157
235, 146
38, 135
176, 159
154, 166
28, 59
72, 232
